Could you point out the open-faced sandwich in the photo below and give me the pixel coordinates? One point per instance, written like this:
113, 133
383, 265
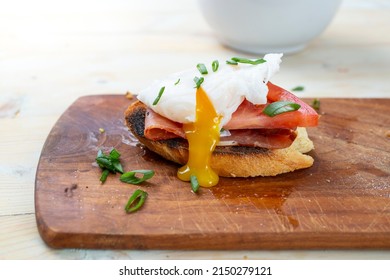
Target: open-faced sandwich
224, 119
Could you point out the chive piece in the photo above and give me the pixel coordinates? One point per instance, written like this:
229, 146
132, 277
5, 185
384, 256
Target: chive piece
194, 183
298, 88
198, 81
105, 162
110, 162
316, 104
138, 195
118, 166
104, 175
131, 178
158, 96
100, 154
114, 154
178, 81
202, 69
231, 62
215, 65
280, 107
248, 61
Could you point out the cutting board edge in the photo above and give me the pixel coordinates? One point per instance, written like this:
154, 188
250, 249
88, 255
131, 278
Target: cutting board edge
231, 241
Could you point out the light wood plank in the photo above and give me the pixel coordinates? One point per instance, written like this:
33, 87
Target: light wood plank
47, 61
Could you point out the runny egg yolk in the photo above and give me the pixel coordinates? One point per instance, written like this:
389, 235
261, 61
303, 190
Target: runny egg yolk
202, 136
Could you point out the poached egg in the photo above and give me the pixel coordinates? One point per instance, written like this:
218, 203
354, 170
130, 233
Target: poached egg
226, 88
203, 111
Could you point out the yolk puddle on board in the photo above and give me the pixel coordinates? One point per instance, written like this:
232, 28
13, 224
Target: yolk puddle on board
202, 136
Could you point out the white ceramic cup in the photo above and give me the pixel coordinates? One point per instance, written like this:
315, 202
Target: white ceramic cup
264, 26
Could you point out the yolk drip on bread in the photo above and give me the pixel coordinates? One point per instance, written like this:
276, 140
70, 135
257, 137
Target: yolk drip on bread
203, 136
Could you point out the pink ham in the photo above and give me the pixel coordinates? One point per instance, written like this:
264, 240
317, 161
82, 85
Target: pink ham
264, 138
248, 125
158, 127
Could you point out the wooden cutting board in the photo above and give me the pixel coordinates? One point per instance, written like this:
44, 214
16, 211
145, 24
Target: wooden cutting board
343, 201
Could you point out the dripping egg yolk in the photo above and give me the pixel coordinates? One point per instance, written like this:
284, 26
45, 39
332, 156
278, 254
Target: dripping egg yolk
203, 136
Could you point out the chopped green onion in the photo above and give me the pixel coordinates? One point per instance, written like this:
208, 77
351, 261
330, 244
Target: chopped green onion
178, 81
231, 62
131, 178
118, 166
104, 176
248, 61
138, 196
100, 153
110, 162
215, 65
280, 107
194, 183
198, 81
298, 88
202, 69
159, 96
114, 154
316, 104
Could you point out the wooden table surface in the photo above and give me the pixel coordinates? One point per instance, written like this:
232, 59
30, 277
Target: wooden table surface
53, 52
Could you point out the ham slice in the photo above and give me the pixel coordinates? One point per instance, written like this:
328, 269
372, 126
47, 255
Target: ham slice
248, 125
158, 127
264, 138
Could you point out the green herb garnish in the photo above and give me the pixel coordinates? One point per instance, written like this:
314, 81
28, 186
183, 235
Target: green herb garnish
198, 81
109, 163
178, 81
215, 65
159, 96
194, 183
202, 69
298, 88
316, 104
104, 175
231, 62
280, 107
248, 61
138, 198
131, 178
114, 154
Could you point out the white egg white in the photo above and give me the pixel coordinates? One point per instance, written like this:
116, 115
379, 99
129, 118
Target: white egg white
226, 88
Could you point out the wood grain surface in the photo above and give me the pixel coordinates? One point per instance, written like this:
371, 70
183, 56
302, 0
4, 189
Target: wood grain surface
342, 201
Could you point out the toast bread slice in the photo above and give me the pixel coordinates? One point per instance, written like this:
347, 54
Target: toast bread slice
227, 161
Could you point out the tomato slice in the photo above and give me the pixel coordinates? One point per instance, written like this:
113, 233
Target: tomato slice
250, 116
